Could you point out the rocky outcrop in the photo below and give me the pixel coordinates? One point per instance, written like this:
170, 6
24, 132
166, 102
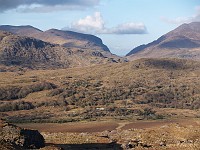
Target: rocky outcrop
21, 138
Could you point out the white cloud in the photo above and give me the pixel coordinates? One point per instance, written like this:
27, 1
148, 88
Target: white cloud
181, 20
95, 25
91, 24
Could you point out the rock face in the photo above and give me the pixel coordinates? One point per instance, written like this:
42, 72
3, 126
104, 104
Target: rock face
23, 138
183, 42
28, 52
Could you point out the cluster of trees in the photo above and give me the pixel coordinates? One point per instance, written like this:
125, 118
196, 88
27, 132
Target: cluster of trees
17, 92
13, 106
91, 93
83, 93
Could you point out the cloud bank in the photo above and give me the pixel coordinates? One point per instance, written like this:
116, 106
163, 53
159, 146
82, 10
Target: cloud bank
129, 28
181, 20
95, 25
45, 5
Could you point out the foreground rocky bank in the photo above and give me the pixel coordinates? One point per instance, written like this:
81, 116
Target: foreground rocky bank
172, 136
14, 137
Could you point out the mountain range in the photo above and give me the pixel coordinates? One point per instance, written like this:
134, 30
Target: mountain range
27, 46
182, 42
55, 36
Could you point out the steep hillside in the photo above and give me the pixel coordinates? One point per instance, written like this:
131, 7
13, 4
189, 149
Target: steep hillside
183, 42
33, 53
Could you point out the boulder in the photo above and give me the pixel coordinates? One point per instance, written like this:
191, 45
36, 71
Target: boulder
24, 138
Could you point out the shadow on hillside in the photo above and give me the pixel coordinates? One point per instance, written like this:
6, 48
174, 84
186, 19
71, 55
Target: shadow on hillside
164, 63
88, 146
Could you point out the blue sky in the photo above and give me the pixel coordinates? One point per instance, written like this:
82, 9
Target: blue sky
122, 24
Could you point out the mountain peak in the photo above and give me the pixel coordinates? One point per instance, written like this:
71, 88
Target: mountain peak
190, 30
182, 42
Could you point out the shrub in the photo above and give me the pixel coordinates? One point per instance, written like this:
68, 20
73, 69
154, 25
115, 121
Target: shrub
13, 106
13, 92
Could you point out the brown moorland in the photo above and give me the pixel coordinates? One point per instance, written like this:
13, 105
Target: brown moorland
139, 90
150, 103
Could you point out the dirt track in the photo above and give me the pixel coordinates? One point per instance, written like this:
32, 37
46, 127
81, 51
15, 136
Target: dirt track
102, 126
72, 127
